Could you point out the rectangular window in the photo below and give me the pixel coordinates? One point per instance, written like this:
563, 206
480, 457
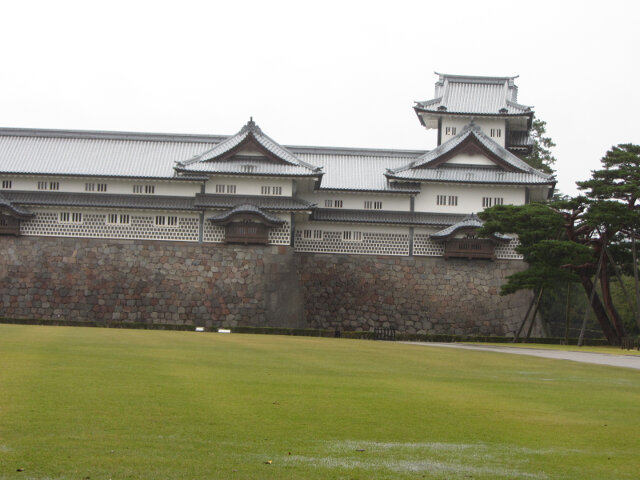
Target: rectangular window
231, 189
102, 187
453, 200
54, 185
277, 190
368, 204
169, 221
89, 187
42, 185
486, 202
450, 130
309, 234
6, 183
349, 236
70, 217
265, 190
148, 189
118, 219
377, 205
333, 203
328, 203
498, 201
441, 200
220, 188
496, 132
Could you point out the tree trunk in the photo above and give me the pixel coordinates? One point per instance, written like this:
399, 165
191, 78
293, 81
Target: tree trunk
614, 316
601, 314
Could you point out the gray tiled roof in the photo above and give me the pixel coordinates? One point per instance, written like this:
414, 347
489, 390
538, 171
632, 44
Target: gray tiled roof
470, 221
425, 168
384, 217
265, 203
24, 151
151, 202
206, 161
245, 208
520, 139
14, 209
364, 171
476, 95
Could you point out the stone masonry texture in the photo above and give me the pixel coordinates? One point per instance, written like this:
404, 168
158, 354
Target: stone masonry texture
213, 285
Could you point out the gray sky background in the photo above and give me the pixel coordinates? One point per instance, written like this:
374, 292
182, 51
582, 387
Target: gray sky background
319, 73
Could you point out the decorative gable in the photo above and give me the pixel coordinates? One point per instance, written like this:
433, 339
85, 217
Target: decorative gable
440, 164
249, 152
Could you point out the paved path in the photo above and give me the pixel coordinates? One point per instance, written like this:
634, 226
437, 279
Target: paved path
627, 361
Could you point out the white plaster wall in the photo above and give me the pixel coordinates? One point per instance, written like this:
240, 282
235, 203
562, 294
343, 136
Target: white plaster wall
355, 201
162, 187
485, 124
469, 197
250, 186
467, 159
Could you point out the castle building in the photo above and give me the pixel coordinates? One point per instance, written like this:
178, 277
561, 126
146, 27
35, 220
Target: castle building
243, 231
248, 189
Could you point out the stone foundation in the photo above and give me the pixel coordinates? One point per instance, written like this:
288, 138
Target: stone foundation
216, 285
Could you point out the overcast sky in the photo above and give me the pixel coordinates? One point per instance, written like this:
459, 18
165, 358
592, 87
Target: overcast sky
319, 73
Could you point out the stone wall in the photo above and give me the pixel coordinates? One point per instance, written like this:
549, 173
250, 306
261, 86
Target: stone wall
411, 294
148, 281
216, 285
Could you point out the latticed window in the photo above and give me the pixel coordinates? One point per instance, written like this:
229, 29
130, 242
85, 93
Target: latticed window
453, 200
441, 199
42, 185
102, 187
496, 132
498, 201
54, 185
6, 183
70, 217
231, 189
487, 202
265, 190
351, 236
89, 187
450, 130
220, 188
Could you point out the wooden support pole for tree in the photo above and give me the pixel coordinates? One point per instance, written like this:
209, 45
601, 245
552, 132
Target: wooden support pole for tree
524, 320
616, 269
635, 276
533, 317
591, 297
567, 314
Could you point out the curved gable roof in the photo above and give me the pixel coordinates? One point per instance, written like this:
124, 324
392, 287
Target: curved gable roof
276, 159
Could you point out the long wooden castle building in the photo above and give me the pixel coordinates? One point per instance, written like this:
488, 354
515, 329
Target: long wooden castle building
247, 190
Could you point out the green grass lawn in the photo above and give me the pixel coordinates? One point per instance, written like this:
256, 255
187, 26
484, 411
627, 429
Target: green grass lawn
78, 403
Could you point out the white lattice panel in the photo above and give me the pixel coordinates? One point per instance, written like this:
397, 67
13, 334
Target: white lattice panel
424, 245
95, 225
212, 233
371, 244
280, 235
508, 251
